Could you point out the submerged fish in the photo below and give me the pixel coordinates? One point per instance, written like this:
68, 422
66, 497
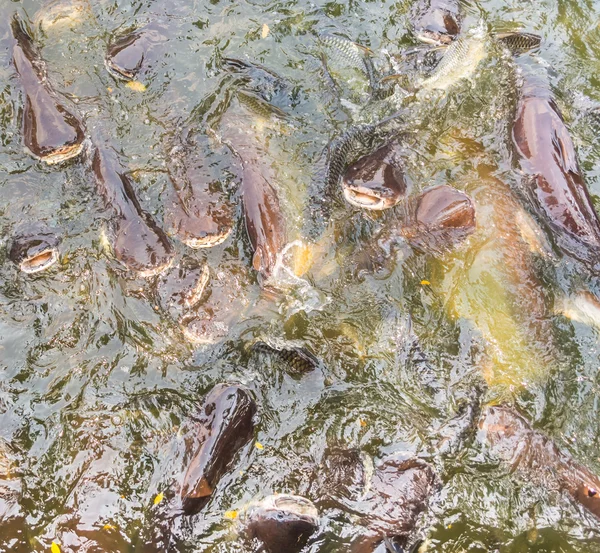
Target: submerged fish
282, 522
51, 131
59, 12
535, 456
129, 54
376, 181
436, 21
297, 359
34, 248
386, 500
138, 243
554, 179
224, 425
197, 210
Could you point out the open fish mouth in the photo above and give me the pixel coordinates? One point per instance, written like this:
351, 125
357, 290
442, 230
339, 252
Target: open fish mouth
433, 37
60, 155
40, 261
364, 200
301, 507
153, 271
208, 241
119, 72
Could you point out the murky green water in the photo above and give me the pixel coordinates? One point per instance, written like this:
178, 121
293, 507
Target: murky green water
95, 378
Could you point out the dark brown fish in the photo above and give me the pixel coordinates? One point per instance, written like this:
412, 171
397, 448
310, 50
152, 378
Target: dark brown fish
34, 248
512, 439
138, 242
554, 180
436, 21
297, 360
282, 523
387, 501
224, 426
434, 221
131, 53
264, 220
52, 131
519, 42
375, 181
197, 211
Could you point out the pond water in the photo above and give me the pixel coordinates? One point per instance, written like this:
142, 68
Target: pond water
97, 376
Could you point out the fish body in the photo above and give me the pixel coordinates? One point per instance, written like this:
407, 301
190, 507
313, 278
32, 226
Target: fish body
265, 224
56, 13
34, 248
282, 522
197, 209
130, 54
554, 180
298, 360
224, 425
512, 439
519, 42
375, 181
52, 132
583, 307
461, 60
139, 244
436, 21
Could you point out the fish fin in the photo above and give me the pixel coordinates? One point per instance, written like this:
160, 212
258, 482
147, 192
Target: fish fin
257, 260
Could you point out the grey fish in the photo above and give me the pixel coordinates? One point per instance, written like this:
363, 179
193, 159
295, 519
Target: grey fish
460, 60
519, 42
298, 360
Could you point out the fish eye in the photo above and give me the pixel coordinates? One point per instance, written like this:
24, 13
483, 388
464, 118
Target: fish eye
280, 516
591, 492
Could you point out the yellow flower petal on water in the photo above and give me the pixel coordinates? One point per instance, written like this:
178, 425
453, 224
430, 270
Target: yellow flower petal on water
265, 31
363, 422
159, 498
55, 548
136, 86
425, 283
231, 515
258, 445
109, 527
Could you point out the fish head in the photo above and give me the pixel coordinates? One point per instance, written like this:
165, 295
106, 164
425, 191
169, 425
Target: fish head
34, 248
588, 495
375, 181
282, 522
437, 24
125, 56
444, 207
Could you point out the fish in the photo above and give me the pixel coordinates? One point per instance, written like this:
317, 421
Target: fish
343, 150
460, 61
553, 180
129, 54
534, 456
55, 13
435, 221
583, 307
52, 131
518, 42
375, 181
138, 242
259, 81
182, 288
223, 426
298, 360
438, 219
197, 209
34, 247
436, 21
264, 220
386, 499
281, 522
